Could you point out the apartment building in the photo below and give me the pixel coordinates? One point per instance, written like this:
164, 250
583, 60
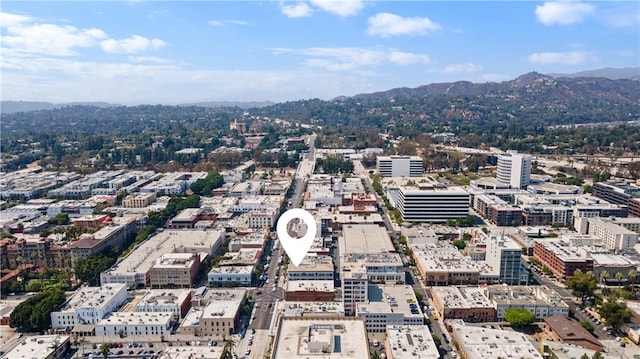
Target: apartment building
560, 258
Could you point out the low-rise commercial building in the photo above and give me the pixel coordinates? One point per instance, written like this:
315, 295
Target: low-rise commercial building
177, 301
175, 270
89, 305
41, 346
539, 300
482, 343
309, 290
219, 315
236, 275
134, 269
410, 342
135, 323
301, 338
569, 331
389, 305
467, 303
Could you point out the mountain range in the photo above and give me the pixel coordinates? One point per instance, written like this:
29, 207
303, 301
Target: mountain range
599, 83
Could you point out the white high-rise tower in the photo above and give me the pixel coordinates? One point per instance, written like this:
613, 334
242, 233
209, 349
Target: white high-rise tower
514, 169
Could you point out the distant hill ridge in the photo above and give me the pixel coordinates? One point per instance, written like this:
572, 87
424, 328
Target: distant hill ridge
559, 85
600, 83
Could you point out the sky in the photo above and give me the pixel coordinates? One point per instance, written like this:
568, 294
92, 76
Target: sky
178, 52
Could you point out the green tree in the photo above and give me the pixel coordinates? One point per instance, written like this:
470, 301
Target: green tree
436, 340
597, 355
604, 275
419, 296
588, 326
204, 186
62, 218
632, 275
460, 244
519, 317
104, 350
227, 351
89, 269
34, 314
615, 313
583, 285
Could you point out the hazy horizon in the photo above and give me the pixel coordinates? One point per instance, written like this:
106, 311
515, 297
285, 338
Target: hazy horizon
211, 51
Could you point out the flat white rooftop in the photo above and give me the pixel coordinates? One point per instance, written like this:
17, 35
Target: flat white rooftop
321, 337
390, 299
299, 309
145, 255
191, 352
39, 346
462, 297
136, 318
310, 285
93, 297
365, 238
411, 342
483, 343
162, 297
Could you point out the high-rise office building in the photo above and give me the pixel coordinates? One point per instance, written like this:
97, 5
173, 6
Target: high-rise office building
514, 169
400, 166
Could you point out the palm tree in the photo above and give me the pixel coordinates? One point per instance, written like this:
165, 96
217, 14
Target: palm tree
619, 276
104, 350
604, 275
632, 275
77, 342
227, 351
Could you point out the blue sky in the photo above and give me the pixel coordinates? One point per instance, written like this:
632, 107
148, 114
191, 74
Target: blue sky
167, 52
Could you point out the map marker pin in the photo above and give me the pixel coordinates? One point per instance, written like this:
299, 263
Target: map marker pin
296, 248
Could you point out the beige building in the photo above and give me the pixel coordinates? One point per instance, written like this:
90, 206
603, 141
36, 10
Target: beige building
139, 200
218, 317
175, 270
320, 337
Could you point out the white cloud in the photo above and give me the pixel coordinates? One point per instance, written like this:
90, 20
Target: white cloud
149, 59
25, 35
565, 58
10, 20
300, 9
61, 80
353, 58
462, 68
132, 44
342, 8
224, 22
407, 58
386, 24
563, 13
